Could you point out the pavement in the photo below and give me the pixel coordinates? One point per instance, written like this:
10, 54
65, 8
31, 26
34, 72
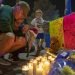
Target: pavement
10, 67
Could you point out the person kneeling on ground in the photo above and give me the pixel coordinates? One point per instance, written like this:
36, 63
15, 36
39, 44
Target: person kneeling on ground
10, 20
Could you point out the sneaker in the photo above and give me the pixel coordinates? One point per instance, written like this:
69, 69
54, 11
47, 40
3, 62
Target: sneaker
4, 62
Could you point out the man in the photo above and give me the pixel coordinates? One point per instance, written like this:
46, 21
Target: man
10, 20
31, 4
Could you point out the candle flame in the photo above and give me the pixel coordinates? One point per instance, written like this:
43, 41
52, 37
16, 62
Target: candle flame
25, 68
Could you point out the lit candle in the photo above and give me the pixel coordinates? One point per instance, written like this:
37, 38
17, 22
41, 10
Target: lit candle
43, 59
34, 67
39, 70
39, 58
25, 70
30, 66
46, 67
50, 58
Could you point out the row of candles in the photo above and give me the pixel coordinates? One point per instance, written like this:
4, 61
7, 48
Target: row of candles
39, 66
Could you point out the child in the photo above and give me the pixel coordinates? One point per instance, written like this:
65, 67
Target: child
37, 23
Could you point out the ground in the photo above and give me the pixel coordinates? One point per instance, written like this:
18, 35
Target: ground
14, 67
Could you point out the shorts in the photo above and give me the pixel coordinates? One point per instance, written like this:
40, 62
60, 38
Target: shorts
40, 36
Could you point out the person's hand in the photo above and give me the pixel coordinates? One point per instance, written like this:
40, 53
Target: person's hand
25, 28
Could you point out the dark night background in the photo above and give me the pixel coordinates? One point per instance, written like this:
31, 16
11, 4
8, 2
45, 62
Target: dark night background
51, 8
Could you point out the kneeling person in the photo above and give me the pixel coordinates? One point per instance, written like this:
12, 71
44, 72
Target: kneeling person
10, 20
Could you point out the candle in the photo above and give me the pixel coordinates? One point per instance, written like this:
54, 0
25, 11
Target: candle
34, 67
46, 67
30, 66
41, 64
39, 58
25, 70
50, 58
39, 70
43, 59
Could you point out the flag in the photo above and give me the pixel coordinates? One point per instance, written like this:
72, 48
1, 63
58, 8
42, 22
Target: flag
56, 30
69, 31
67, 7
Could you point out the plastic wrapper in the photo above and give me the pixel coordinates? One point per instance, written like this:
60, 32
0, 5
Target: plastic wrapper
63, 59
